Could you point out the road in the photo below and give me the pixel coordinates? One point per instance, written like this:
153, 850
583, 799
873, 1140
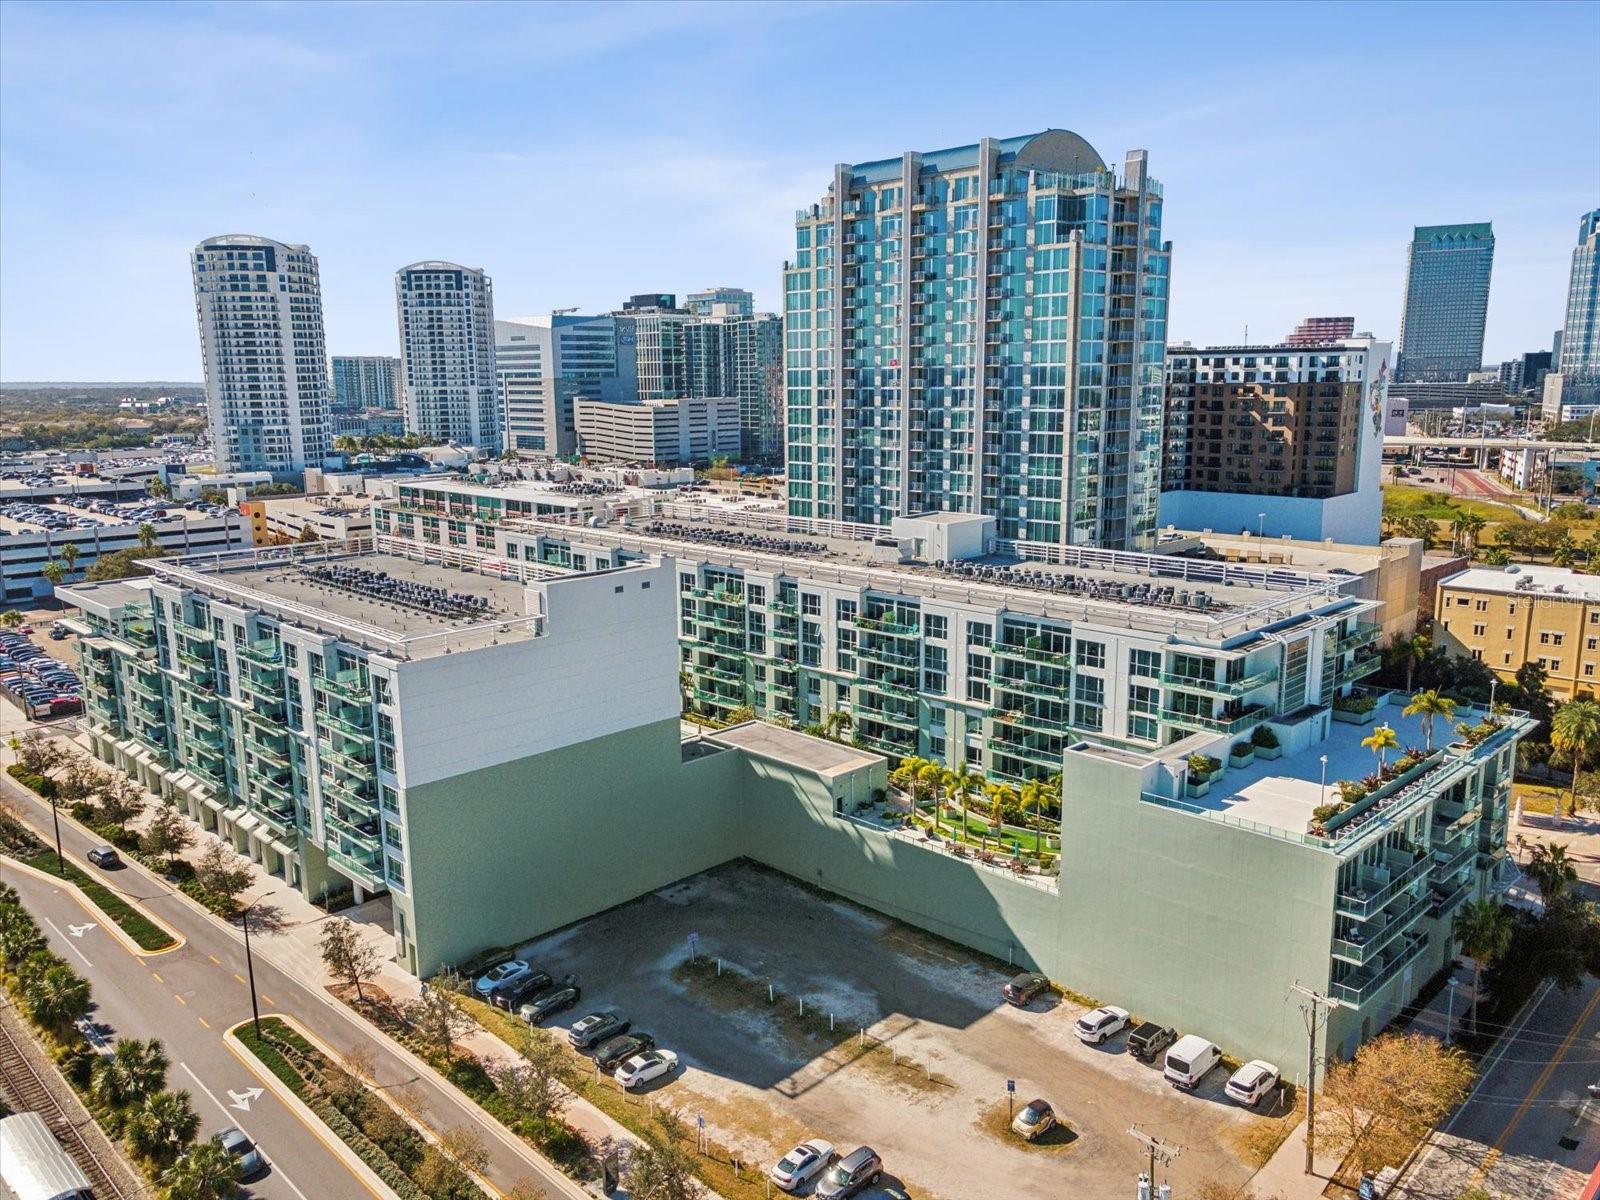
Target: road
189, 996
1530, 1129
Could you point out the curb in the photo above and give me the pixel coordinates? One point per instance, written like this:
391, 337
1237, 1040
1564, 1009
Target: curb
319, 1129
105, 919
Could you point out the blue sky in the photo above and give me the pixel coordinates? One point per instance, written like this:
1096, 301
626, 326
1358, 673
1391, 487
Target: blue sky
582, 153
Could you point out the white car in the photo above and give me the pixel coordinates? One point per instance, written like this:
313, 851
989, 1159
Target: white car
1098, 1024
1251, 1082
504, 973
642, 1068
801, 1164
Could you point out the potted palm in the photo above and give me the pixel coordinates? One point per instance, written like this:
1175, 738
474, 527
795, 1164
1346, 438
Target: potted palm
1198, 776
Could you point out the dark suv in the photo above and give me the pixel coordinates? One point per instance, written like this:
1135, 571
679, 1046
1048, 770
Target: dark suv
619, 1049
513, 992
1021, 990
596, 1028
1149, 1039
857, 1170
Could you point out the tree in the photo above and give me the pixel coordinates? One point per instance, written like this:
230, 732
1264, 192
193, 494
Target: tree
70, 554
1550, 869
159, 1129
169, 833
133, 1071
659, 1168
835, 724
1471, 526
19, 935
1575, 730
119, 564
307, 535
120, 801
205, 1171
222, 872
348, 955
438, 1020
1002, 796
1035, 795
54, 995
1380, 741
1420, 527
158, 488
55, 571
11, 618
1411, 651
1430, 706
147, 536
1485, 929
539, 1085
1376, 1107
35, 754
961, 784
1533, 692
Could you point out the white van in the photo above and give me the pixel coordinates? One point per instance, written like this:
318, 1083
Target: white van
1190, 1058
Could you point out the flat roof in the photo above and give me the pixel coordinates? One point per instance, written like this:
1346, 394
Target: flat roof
1526, 578
819, 755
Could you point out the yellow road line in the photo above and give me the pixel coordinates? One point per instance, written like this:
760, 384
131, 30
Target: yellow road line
1538, 1086
214, 959
238, 976
204, 1022
269, 1000
180, 999
156, 975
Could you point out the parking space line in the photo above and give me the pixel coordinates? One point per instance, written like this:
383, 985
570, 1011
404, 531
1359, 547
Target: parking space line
232, 1118
156, 975
266, 999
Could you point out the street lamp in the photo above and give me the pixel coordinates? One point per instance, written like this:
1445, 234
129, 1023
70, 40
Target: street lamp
249, 962
1261, 525
55, 819
1322, 797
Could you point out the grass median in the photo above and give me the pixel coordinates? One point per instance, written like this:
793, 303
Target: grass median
147, 935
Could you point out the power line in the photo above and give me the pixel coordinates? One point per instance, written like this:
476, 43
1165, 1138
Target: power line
1158, 1148
1312, 1008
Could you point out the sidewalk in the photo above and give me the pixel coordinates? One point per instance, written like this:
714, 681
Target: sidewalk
1284, 1177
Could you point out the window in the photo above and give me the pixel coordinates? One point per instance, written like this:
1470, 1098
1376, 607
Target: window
845, 610
1477, 631
1090, 696
811, 604
1144, 662
1482, 606
1091, 654
1588, 668
936, 626
979, 633
978, 690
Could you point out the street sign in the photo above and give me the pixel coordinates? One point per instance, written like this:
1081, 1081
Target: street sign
700, 1122
1011, 1085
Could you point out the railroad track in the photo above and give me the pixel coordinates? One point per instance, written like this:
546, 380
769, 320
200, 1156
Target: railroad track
27, 1092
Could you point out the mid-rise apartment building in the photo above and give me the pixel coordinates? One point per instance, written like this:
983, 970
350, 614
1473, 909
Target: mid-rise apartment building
663, 433
1280, 441
365, 381
259, 305
1506, 616
1317, 331
469, 694
981, 330
447, 354
1446, 302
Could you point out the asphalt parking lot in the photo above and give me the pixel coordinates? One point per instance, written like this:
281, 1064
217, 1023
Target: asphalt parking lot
925, 1085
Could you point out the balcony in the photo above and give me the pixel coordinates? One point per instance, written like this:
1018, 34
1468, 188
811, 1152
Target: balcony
888, 625
878, 683
717, 699
356, 731
1030, 652
140, 633
1365, 944
1377, 888
357, 794
262, 652
1364, 635
341, 755
1234, 687
1226, 723
348, 684
1362, 986
363, 865
1361, 668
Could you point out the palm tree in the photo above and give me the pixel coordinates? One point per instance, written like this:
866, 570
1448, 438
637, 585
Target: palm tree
1430, 706
1035, 794
1485, 929
960, 784
1575, 730
55, 571
1413, 650
147, 535
1379, 741
134, 1071
162, 1126
11, 618
70, 554
1001, 797
205, 1171
1471, 525
19, 936
931, 776
1551, 870
905, 775
55, 996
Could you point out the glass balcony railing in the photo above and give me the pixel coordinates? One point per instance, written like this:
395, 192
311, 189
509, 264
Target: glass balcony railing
363, 865
1362, 986
1219, 724
1376, 890
1364, 635
1364, 944
1030, 653
346, 683
1219, 687
887, 624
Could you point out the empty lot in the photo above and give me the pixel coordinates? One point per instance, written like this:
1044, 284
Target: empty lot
926, 1085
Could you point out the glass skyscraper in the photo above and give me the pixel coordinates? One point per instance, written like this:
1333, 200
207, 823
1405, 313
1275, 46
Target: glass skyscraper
981, 329
1580, 335
1447, 301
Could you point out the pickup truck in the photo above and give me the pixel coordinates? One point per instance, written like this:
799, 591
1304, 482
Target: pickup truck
1148, 1040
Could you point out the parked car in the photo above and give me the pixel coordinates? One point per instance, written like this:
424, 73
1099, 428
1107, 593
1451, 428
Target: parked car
547, 1004
1021, 990
512, 993
1035, 1118
805, 1161
1252, 1082
1098, 1024
105, 857
859, 1169
1189, 1061
619, 1049
642, 1068
1149, 1039
235, 1142
506, 972
596, 1028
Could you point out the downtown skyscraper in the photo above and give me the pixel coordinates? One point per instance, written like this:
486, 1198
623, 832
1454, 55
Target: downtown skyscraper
981, 330
1580, 333
446, 314
1447, 303
259, 306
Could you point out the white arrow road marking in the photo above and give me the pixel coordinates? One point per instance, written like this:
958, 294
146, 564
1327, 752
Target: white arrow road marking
239, 1125
241, 1100
78, 931
70, 946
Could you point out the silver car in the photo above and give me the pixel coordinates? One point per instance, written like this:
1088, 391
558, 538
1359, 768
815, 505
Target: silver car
235, 1142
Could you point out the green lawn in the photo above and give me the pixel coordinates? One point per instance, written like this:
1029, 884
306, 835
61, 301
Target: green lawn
1407, 500
145, 932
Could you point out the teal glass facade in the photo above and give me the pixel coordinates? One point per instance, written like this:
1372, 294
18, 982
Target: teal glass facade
981, 329
1447, 303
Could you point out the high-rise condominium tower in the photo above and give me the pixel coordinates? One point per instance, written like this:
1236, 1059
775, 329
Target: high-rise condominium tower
447, 354
981, 329
1447, 300
365, 381
736, 353
1580, 336
259, 304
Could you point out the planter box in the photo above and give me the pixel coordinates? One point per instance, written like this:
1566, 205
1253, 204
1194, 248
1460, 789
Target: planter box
1266, 755
1244, 759
1354, 718
1199, 788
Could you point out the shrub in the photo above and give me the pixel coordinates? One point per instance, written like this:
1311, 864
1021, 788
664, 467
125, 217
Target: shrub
1263, 738
1242, 747
1351, 790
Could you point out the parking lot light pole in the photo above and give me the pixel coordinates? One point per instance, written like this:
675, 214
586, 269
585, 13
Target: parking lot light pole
249, 962
1322, 796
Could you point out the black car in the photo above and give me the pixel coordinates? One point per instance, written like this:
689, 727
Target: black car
596, 1028
1148, 1040
547, 1004
617, 1050
514, 991
1021, 990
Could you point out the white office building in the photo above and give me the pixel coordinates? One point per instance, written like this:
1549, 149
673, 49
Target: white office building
259, 305
659, 432
446, 314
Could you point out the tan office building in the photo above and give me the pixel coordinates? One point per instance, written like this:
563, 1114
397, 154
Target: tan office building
1507, 616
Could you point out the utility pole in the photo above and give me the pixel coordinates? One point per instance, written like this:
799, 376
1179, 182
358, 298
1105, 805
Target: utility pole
1158, 1149
1312, 1008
